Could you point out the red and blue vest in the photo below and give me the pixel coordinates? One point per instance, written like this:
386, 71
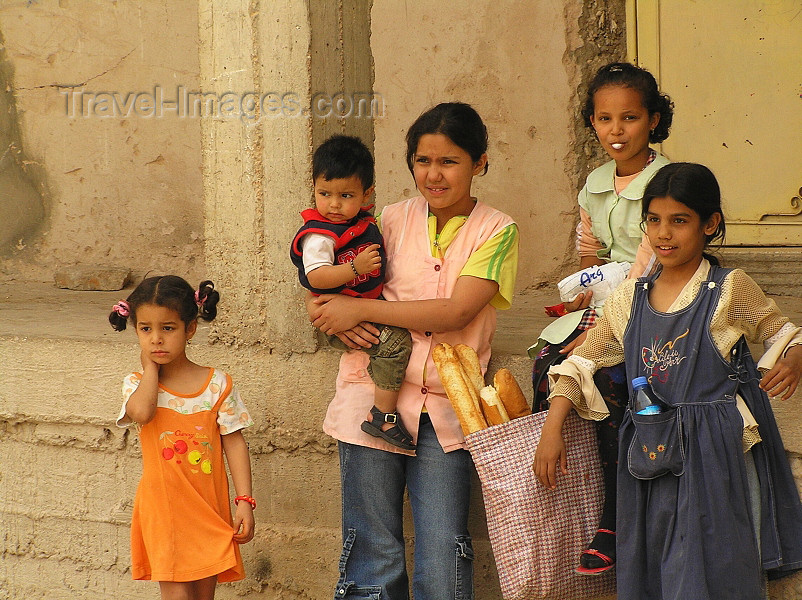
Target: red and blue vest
349, 239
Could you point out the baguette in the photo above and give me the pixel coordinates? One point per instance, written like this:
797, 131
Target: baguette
511, 395
470, 363
494, 410
463, 398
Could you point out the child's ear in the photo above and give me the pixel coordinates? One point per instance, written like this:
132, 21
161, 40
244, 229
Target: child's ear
192, 327
479, 165
712, 223
368, 194
654, 120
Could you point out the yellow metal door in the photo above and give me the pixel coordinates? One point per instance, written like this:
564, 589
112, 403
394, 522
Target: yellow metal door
734, 71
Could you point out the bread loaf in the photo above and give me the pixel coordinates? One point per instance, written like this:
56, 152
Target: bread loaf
464, 399
511, 395
493, 408
470, 363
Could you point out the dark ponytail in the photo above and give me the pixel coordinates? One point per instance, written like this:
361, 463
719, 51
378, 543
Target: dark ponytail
170, 291
207, 298
458, 121
118, 317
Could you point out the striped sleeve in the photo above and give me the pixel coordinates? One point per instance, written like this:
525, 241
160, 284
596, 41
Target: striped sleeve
497, 260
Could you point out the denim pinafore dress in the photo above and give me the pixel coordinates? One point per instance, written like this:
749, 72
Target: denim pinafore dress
685, 526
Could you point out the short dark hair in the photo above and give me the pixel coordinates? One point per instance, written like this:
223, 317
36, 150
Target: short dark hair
639, 79
343, 156
173, 292
458, 121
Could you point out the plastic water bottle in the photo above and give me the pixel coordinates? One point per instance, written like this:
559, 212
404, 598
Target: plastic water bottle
646, 401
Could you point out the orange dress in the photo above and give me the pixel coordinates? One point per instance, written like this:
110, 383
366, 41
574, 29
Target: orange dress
181, 528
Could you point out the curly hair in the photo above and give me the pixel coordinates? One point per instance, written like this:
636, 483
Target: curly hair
637, 78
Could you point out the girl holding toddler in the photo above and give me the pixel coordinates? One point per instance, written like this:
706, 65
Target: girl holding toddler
452, 262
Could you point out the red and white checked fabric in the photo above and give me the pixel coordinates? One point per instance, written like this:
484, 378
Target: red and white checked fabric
537, 534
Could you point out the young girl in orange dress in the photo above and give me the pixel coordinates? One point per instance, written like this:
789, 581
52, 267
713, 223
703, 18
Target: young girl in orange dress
188, 417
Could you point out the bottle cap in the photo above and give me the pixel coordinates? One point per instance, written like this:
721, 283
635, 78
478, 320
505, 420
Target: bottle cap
639, 382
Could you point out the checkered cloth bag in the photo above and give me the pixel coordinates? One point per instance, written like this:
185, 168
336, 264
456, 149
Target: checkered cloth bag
537, 534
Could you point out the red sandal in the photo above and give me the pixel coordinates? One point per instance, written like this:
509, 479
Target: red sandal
593, 562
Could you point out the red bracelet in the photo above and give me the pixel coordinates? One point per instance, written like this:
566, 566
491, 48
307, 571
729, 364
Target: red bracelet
247, 499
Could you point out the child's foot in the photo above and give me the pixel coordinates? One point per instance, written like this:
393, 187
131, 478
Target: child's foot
600, 555
395, 433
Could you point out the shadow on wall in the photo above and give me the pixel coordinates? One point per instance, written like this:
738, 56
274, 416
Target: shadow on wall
22, 201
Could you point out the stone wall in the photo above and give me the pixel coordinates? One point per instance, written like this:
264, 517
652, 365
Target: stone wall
108, 163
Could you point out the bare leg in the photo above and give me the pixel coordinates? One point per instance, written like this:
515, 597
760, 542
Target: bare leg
176, 590
205, 588
202, 589
611, 382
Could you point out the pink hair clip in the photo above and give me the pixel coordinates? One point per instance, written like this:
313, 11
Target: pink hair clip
122, 308
198, 300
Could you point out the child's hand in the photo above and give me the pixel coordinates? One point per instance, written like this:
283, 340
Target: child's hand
569, 348
243, 523
581, 302
147, 362
784, 376
550, 455
368, 260
364, 335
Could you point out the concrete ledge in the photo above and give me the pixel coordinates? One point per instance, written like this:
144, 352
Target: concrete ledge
776, 270
48, 324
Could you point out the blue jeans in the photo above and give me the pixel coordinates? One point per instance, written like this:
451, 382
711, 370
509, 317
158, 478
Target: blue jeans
373, 561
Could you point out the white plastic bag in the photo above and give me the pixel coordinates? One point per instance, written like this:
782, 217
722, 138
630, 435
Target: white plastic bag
601, 279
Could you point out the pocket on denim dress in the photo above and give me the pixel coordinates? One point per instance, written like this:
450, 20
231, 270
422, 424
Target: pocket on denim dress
658, 447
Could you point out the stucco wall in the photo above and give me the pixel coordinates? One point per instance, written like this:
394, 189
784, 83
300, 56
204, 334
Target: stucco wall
519, 65
68, 475
61, 389
21, 197
117, 171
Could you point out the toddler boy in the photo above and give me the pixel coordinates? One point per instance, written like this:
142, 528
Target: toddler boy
339, 250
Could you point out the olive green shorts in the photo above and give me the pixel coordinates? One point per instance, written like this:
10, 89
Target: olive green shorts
388, 358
